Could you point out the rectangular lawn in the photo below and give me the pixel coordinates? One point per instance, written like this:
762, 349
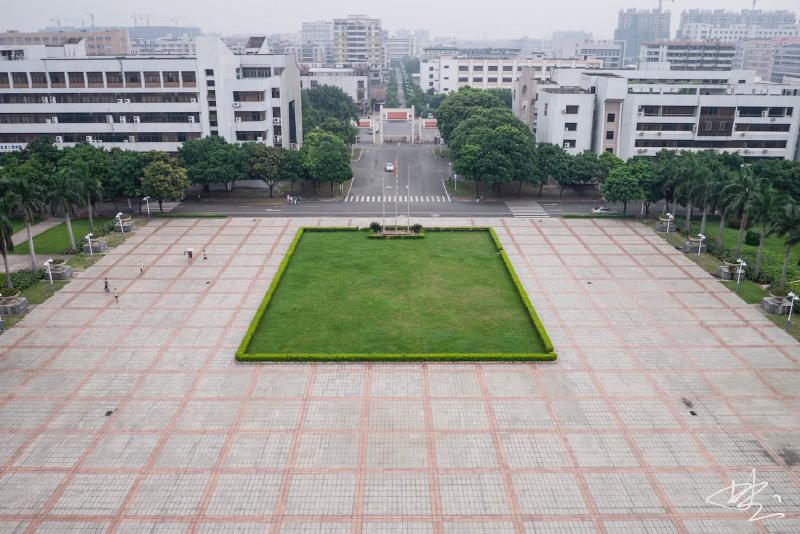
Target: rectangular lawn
344, 293
56, 240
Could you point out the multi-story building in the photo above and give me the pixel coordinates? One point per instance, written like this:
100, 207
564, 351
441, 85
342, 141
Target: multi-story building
181, 45
612, 53
445, 69
399, 48
688, 55
352, 82
99, 42
731, 26
358, 40
638, 113
317, 36
776, 60
566, 43
635, 26
147, 103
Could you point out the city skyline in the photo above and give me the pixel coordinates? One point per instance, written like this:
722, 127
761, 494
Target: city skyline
441, 19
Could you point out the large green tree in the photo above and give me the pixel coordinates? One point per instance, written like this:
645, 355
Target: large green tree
785, 223
582, 170
210, 160
738, 196
622, 185
6, 243
25, 184
460, 105
124, 177
782, 175
325, 101
552, 161
326, 159
292, 168
165, 180
64, 195
261, 162
766, 203
85, 166
343, 129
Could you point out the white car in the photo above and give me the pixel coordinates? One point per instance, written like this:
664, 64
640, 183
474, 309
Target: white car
389, 166
602, 209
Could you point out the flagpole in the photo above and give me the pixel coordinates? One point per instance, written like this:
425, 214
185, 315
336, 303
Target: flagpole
408, 193
397, 191
383, 202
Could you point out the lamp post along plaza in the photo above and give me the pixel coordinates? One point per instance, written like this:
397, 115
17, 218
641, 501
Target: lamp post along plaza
49, 271
742, 265
669, 220
119, 221
792, 299
700, 246
89, 239
147, 201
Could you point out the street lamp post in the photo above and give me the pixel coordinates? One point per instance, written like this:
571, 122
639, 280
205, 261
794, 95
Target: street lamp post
147, 201
792, 299
700, 246
739, 271
49, 271
669, 220
119, 220
89, 239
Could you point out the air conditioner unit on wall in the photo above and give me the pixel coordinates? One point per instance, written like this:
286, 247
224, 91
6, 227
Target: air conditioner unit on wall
238, 119
59, 139
127, 100
131, 139
276, 120
136, 119
45, 100
260, 139
193, 100
52, 100
237, 104
191, 119
120, 101
110, 119
89, 139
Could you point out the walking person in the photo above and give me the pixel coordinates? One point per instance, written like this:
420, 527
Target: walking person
141, 267
105, 286
205, 256
116, 296
188, 253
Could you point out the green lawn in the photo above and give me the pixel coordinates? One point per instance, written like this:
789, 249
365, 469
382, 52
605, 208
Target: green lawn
17, 225
749, 292
56, 241
41, 291
343, 293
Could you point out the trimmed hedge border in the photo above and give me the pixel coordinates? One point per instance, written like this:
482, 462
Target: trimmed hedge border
373, 235
243, 356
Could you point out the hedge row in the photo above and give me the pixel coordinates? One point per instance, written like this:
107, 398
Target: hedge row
373, 235
243, 356
598, 216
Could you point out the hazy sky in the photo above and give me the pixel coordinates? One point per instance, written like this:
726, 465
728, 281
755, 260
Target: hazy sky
459, 18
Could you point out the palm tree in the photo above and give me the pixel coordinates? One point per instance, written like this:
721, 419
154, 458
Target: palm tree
689, 171
786, 223
92, 191
738, 196
26, 190
6, 244
766, 202
705, 185
65, 194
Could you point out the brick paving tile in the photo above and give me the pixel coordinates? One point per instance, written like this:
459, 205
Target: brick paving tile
136, 418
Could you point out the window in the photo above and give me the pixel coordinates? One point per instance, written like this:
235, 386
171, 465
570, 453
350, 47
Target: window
114, 79
609, 150
20, 79
612, 117
491, 80
76, 79
189, 78
610, 135
152, 79
463, 79
571, 110
38, 79
477, 80
133, 78
211, 83
95, 78
507, 80
492, 68
3, 78
430, 68
255, 72
463, 68
57, 78
276, 112
171, 78
430, 84
569, 143
477, 68
276, 92
209, 72
508, 68
571, 126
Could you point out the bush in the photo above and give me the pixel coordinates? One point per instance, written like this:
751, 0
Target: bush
25, 278
375, 226
416, 228
778, 291
6, 293
751, 237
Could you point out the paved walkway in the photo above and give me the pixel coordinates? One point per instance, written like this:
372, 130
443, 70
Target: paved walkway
36, 229
134, 417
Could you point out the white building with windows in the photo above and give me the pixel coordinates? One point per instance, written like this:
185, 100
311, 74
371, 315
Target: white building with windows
359, 40
488, 68
148, 102
689, 55
355, 84
638, 113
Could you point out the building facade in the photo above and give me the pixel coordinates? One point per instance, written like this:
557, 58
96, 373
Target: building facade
737, 32
355, 84
689, 55
638, 113
487, 68
148, 103
400, 48
635, 26
317, 36
99, 42
722, 24
612, 53
163, 46
358, 40
775, 60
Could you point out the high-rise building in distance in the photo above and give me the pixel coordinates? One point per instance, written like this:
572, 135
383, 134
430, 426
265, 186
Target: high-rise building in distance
635, 26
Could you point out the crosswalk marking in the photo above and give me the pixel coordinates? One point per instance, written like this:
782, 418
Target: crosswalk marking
526, 209
398, 198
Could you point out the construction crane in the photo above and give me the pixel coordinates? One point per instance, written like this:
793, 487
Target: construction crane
59, 20
91, 17
660, 4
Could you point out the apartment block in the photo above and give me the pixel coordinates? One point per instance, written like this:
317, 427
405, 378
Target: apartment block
635, 26
775, 60
147, 103
358, 40
611, 53
99, 42
399, 48
689, 55
724, 25
638, 113
447, 69
161, 46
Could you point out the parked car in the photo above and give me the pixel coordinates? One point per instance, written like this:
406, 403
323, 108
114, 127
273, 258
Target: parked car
389, 166
602, 209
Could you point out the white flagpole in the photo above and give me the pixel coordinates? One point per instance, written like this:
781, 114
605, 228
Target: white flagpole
408, 198
397, 193
383, 202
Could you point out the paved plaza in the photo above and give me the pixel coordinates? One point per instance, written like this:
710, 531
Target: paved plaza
134, 417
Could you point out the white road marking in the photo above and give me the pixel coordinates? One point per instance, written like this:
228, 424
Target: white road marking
445, 190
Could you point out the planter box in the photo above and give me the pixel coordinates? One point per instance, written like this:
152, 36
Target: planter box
662, 226
61, 272
776, 305
15, 307
2, 326
128, 226
690, 246
724, 273
97, 246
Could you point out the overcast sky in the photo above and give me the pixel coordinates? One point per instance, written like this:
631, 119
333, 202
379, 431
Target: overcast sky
459, 18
